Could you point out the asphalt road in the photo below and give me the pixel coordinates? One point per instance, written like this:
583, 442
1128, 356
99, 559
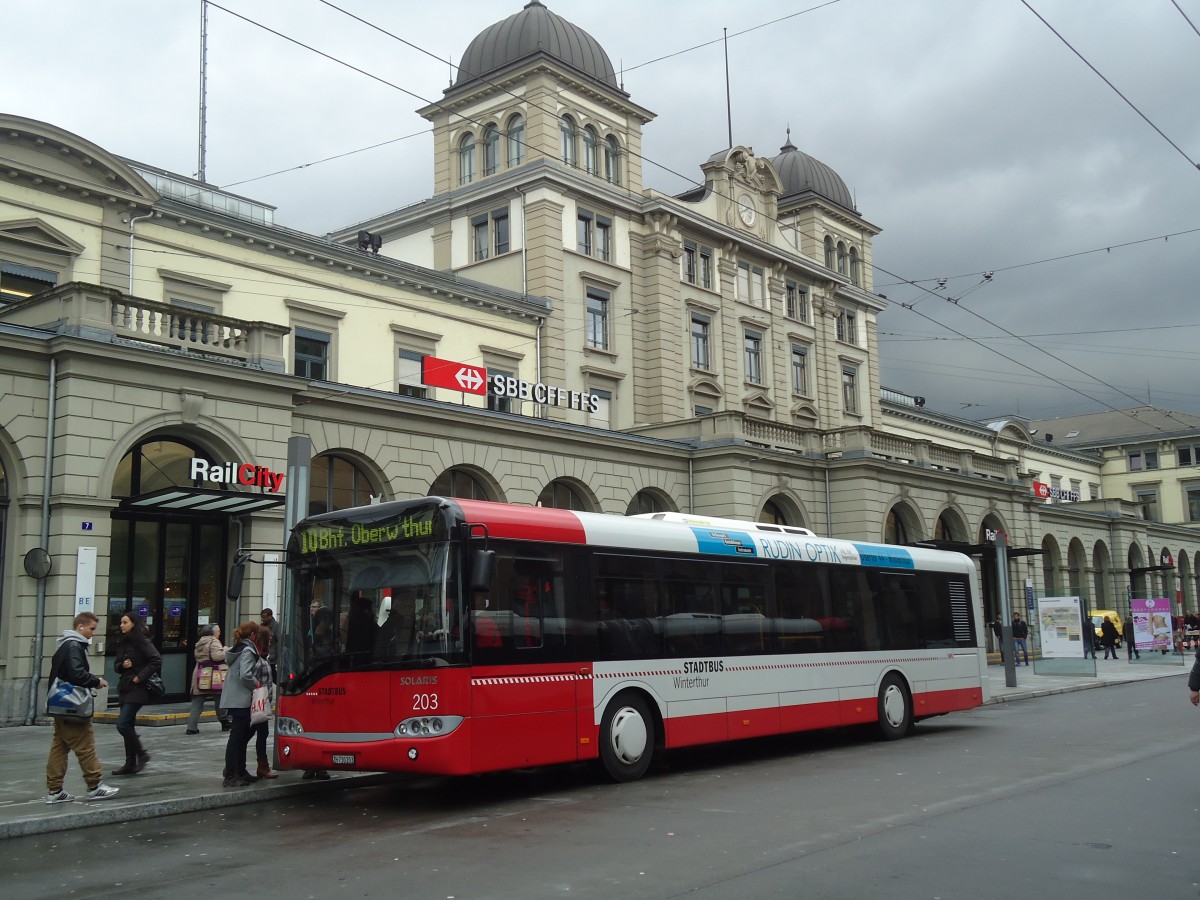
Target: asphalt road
1094, 793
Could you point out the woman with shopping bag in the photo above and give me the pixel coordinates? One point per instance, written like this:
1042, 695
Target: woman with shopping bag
249, 674
208, 677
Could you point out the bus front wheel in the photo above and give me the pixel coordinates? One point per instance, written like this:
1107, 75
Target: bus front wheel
627, 738
895, 708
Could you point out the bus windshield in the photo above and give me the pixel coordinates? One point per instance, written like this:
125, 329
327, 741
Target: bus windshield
378, 608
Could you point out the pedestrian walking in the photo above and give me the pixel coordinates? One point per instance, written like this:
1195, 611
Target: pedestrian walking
1108, 637
136, 660
262, 730
1131, 649
1020, 639
996, 630
211, 653
73, 725
247, 670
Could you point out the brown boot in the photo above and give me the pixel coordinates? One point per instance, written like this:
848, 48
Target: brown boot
264, 769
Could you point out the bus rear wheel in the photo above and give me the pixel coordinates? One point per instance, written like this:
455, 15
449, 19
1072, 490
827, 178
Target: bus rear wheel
627, 738
895, 708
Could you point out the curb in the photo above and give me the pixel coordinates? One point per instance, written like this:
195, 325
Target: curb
105, 814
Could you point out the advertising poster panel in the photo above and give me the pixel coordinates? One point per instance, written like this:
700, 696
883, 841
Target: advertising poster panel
1152, 623
1061, 627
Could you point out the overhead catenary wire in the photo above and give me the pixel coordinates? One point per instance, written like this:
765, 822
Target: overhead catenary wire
1114, 88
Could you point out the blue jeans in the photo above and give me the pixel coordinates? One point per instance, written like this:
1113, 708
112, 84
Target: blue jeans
1020, 650
235, 748
128, 719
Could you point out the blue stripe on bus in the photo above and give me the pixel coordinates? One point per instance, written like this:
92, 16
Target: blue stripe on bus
885, 557
724, 542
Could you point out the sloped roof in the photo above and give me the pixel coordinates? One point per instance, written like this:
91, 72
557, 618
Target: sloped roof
1116, 426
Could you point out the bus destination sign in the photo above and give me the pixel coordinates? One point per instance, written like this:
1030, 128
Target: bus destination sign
325, 536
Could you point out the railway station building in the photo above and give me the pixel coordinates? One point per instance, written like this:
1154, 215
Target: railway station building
544, 329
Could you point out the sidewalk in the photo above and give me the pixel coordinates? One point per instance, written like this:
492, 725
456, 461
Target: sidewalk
184, 773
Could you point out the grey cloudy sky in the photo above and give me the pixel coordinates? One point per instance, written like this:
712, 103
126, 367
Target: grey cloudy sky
966, 129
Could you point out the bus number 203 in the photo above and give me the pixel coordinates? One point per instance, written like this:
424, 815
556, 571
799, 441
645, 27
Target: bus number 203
425, 702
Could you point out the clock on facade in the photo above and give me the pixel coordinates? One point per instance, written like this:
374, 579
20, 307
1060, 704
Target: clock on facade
746, 209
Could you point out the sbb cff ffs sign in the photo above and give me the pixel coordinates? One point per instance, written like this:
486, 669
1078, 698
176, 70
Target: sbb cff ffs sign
446, 373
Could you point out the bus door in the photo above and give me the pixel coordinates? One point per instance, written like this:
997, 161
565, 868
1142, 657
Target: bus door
524, 686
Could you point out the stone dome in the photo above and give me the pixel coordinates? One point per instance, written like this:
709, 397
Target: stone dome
802, 174
535, 29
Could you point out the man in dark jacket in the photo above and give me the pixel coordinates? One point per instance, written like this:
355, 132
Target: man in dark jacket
1020, 639
70, 664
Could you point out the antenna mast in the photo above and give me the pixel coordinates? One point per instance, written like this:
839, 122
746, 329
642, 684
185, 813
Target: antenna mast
203, 86
728, 106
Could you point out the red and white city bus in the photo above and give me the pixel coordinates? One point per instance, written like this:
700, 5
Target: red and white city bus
457, 636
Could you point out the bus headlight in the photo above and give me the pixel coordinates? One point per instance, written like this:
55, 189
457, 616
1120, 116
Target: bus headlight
286, 726
427, 726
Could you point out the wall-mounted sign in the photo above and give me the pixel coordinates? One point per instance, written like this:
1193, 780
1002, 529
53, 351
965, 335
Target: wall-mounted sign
1046, 492
456, 376
236, 473
447, 373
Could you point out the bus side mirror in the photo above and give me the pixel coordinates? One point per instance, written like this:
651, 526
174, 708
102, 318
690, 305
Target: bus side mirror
483, 566
233, 590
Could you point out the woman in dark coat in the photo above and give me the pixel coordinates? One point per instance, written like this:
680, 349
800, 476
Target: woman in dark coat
136, 660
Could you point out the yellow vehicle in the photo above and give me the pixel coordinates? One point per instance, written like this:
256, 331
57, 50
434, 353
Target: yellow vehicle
1098, 620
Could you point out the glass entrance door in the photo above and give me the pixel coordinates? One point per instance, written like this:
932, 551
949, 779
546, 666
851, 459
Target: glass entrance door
167, 569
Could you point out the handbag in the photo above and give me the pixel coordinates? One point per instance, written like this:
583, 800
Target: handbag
260, 704
69, 701
210, 677
156, 689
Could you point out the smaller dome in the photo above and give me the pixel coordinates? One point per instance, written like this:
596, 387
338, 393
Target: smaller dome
801, 174
534, 29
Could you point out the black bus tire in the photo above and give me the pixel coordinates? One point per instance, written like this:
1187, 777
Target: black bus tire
627, 737
895, 708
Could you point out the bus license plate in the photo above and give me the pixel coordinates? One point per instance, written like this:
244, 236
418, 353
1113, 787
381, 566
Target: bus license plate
343, 759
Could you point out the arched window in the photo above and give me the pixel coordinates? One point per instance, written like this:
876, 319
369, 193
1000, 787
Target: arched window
466, 159
567, 127
895, 531
828, 252
612, 162
561, 494
591, 151
841, 258
459, 483
491, 150
335, 482
855, 274
773, 514
516, 141
158, 463
647, 501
